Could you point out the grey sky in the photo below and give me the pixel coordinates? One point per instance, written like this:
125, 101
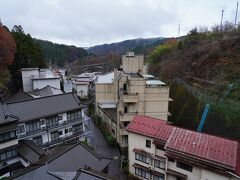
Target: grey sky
91, 22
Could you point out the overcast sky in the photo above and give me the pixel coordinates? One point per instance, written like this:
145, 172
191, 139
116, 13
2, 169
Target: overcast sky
91, 22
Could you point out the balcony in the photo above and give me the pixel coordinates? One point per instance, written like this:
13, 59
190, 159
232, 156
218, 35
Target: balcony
123, 132
52, 127
130, 97
59, 140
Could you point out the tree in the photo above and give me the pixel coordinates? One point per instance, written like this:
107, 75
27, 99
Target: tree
28, 55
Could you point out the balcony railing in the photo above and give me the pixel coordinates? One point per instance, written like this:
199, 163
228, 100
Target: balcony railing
59, 140
54, 126
130, 98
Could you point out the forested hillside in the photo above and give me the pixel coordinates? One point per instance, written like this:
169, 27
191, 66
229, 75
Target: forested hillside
60, 54
202, 67
122, 47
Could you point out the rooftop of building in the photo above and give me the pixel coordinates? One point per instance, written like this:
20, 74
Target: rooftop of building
64, 163
155, 83
44, 106
46, 91
201, 146
6, 117
106, 78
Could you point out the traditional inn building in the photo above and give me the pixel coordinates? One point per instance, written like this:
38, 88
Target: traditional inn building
127, 92
47, 121
159, 151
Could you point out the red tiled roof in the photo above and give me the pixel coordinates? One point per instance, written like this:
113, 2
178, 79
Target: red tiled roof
208, 147
150, 127
237, 168
193, 144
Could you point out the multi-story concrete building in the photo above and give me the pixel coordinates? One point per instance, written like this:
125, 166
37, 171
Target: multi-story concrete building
34, 78
47, 121
128, 91
159, 151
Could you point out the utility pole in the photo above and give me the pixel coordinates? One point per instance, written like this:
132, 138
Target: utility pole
235, 24
222, 19
179, 28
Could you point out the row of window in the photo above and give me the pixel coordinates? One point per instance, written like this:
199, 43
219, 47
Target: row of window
74, 115
7, 136
159, 163
8, 154
145, 174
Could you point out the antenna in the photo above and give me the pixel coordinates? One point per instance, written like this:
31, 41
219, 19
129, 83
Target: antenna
235, 24
179, 28
222, 19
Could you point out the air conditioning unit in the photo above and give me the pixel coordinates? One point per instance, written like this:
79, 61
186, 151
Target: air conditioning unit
62, 121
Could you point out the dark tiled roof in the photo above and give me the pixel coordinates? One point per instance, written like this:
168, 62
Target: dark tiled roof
91, 174
19, 96
77, 157
64, 164
46, 91
31, 152
42, 107
111, 112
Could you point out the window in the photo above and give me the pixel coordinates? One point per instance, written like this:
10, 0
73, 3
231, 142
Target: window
125, 139
54, 136
77, 128
125, 109
74, 115
148, 143
38, 140
21, 129
60, 133
66, 131
171, 159
7, 154
142, 173
59, 117
160, 147
160, 163
124, 87
184, 166
142, 158
125, 123
32, 126
162, 177
52, 121
7, 136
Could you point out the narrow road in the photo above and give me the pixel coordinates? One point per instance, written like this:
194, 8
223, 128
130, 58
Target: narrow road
101, 147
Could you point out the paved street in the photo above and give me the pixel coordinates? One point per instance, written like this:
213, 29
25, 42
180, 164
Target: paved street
102, 148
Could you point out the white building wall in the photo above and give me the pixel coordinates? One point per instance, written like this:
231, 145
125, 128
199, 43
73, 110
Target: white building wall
27, 75
41, 83
82, 90
8, 144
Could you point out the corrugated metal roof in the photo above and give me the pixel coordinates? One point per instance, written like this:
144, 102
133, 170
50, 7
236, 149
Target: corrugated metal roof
150, 127
155, 82
208, 147
204, 147
44, 106
105, 79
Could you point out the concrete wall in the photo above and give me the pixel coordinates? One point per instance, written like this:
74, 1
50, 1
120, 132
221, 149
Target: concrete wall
132, 64
104, 93
26, 78
82, 90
